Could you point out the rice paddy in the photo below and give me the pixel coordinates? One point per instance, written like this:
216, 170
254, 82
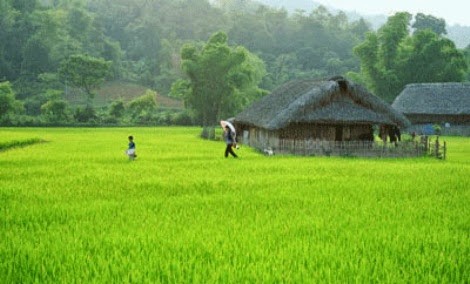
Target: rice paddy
74, 209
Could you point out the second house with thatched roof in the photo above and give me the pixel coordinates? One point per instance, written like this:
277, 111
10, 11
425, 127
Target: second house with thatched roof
446, 105
332, 111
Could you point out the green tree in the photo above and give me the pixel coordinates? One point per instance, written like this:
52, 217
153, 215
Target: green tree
117, 109
9, 106
38, 52
423, 22
8, 17
391, 35
143, 108
216, 71
85, 114
466, 53
56, 111
431, 58
84, 72
392, 57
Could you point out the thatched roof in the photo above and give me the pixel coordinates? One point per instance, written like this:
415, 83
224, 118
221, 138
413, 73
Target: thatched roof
434, 98
334, 101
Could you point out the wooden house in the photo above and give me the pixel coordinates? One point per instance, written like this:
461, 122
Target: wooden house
444, 104
315, 111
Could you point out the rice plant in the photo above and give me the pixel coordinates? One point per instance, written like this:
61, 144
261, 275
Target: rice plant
76, 209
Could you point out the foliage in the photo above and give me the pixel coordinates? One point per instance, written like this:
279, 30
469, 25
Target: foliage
142, 40
116, 109
466, 53
9, 106
422, 22
217, 74
317, 44
143, 109
84, 72
432, 59
85, 114
391, 58
76, 210
56, 111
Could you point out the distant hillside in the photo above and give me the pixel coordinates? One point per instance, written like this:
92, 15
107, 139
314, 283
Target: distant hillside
111, 91
460, 35
291, 5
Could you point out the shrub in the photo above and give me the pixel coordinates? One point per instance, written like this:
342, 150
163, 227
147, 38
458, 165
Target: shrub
143, 108
85, 114
56, 111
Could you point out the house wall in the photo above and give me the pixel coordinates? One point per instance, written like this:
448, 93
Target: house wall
327, 132
437, 118
262, 138
450, 124
446, 130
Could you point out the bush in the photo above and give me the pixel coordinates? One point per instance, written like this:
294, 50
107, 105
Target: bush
182, 118
117, 109
85, 114
56, 111
437, 129
142, 108
8, 103
20, 120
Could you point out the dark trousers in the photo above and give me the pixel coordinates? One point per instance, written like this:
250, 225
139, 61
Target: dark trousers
230, 150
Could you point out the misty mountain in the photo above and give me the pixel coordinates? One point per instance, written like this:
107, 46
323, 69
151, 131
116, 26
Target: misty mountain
291, 5
460, 35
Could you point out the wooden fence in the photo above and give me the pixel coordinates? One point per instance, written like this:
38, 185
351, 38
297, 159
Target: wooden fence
436, 148
419, 148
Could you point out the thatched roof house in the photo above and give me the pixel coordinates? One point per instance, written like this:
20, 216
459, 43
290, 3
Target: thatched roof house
433, 102
436, 103
327, 110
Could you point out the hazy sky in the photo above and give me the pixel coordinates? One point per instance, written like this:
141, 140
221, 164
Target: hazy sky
453, 11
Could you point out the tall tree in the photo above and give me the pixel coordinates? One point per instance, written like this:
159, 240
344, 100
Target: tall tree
84, 72
466, 53
392, 57
432, 59
423, 22
216, 73
8, 18
8, 104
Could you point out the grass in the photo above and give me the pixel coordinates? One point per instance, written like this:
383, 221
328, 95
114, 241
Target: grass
18, 143
76, 210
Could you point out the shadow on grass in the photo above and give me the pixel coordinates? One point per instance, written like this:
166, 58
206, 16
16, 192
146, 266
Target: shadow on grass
4, 146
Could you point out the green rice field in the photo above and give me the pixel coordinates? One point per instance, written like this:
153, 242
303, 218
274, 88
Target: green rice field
74, 209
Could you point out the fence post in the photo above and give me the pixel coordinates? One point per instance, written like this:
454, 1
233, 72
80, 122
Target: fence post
428, 147
445, 150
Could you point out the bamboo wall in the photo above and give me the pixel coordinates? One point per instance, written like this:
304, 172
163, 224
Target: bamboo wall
450, 130
295, 141
438, 118
352, 148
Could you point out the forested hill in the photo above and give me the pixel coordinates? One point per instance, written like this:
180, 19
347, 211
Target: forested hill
460, 35
142, 39
45, 43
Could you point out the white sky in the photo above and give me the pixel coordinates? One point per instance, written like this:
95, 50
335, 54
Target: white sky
452, 11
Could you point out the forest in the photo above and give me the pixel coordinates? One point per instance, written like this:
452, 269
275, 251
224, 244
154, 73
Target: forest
210, 59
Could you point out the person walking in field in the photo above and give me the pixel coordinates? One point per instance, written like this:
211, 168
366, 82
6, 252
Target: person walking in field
229, 138
131, 149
